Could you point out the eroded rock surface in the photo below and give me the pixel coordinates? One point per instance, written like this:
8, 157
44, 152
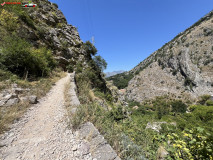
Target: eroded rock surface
182, 68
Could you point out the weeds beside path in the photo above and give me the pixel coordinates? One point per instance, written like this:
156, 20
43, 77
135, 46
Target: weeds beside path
39, 88
43, 133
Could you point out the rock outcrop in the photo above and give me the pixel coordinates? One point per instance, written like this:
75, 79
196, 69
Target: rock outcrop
96, 144
182, 68
15, 95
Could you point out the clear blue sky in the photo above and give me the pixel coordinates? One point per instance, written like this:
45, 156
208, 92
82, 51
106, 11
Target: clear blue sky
128, 31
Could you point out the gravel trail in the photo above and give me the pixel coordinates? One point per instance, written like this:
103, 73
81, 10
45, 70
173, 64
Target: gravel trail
43, 133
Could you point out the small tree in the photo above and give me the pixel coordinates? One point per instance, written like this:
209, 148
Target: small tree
162, 106
178, 106
90, 48
100, 62
18, 57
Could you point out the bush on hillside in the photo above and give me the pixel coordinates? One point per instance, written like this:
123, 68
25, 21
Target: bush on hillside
19, 58
209, 103
90, 48
195, 143
26, 19
162, 107
100, 62
117, 113
178, 106
121, 80
202, 99
8, 20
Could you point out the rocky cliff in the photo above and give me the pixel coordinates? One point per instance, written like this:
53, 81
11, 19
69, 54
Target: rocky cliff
182, 68
50, 28
46, 26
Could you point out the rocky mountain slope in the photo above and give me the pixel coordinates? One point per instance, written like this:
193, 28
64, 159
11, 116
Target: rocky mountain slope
182, 68
46, 26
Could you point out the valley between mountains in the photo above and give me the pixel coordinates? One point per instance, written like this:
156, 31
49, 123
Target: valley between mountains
56, 103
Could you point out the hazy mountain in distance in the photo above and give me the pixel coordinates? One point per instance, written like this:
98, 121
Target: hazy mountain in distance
109, 74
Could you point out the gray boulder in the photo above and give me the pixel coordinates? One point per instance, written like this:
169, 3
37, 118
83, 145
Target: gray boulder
98, 146
30, 99
161, 153
12, 101
33, 99
155, 125
8, 99
17, 90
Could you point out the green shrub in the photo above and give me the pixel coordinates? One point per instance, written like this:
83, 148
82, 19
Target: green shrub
195, 143
60, 25
19, 58
162, 106
187, 45
8, 20
100, 62
90, 48
107, 96
187, 81
209, 103
70, 68
79, 68
117, 113
133, 103
202, 99
203, 113
91, 76
206, 62
26, 19
121, 80
41, 31
5, 75
178, 106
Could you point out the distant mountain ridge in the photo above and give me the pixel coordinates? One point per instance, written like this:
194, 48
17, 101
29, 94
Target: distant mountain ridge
109, 74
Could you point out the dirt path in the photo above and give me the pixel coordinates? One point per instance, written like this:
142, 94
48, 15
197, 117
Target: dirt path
42, 134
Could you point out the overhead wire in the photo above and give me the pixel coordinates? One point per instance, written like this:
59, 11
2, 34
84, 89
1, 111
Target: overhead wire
87, 16
90, 17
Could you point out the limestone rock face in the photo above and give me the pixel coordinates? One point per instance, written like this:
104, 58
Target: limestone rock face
182, 68
12, 101
10, 97
49, 28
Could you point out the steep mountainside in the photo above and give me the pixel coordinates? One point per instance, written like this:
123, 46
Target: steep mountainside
182, 68
45, 26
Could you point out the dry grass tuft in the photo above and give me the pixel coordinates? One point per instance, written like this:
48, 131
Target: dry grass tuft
10, 114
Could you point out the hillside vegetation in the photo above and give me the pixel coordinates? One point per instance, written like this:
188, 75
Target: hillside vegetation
162, 127
36, 47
